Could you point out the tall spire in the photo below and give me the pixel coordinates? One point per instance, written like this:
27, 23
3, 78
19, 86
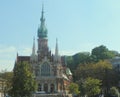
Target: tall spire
33, 55
33, 49
56, 48
42, 30
42, 16
57, 57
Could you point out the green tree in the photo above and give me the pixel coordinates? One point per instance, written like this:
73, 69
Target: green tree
75, 60
74, 88
69, 60
7, 77
96, 70
81, 58
92, 86
101, 70
114, 91
23, 81
102, 53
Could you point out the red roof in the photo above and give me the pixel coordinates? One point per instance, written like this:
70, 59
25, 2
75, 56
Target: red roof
23, 58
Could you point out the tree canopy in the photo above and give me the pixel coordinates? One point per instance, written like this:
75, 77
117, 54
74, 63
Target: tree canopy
98, 53
92, 86
74, 88
101, 70
102, 53
95, 70
23, 81
7, 77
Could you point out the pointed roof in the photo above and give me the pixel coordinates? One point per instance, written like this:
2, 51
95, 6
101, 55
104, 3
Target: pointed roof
33, 56
56, 48
42, 30
33, 48
57, 56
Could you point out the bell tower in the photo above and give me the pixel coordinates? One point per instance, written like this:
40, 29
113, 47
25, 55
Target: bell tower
42, 39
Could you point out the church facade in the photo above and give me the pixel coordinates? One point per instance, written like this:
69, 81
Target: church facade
50, 70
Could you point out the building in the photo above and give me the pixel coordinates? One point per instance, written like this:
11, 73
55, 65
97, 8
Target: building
50, 71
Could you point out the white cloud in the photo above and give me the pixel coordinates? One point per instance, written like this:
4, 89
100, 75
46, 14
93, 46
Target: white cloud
7, 57
25, 51
65, 52
7, 49
6, 65
68, 52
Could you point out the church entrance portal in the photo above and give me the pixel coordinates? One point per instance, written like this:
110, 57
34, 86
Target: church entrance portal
39, 87
52, 88
46, 88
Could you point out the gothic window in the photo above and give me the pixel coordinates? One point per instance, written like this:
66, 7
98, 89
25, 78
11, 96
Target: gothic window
45, 69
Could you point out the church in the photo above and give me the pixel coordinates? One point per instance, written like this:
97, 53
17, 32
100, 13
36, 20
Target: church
50, 70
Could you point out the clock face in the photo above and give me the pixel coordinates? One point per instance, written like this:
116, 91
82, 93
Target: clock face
45, 69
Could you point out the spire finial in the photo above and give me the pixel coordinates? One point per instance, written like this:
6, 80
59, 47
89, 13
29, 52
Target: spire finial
42, 7
42, 17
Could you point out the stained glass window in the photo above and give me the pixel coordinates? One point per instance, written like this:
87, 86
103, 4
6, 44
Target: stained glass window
45, 69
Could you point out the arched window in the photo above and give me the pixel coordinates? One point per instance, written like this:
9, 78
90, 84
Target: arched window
45, 69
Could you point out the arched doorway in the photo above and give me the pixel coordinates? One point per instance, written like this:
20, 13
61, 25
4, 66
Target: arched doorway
39, 87
46, 88
52, 88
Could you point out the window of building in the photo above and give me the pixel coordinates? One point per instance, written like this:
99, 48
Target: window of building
45, 69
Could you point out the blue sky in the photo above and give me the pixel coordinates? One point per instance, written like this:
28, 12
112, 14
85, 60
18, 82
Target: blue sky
79, 25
